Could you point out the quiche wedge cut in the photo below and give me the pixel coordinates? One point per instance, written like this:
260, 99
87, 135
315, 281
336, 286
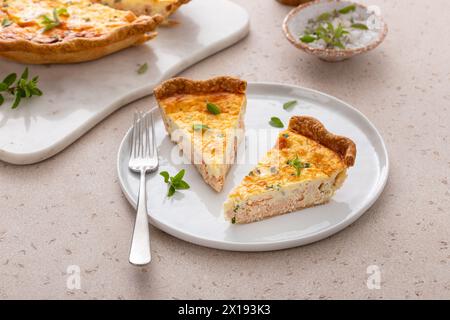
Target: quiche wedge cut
206, 120
304, 169
68, 31
146, 7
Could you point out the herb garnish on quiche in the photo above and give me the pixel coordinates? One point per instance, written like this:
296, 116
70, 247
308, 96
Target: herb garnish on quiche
304, 169
205, 118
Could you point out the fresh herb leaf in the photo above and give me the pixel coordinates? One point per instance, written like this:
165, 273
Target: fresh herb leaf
1, 99
288, 105
142, 68
347, 9
360, 26
62, 12
17, 98
298, 165
212, 108
175, 183
171, 191
20, 88
307, 38
179, 176
183, 185
324, 16
24, 75
49, 23
198, 127
166, 176
10, 79
276, 122
6, 22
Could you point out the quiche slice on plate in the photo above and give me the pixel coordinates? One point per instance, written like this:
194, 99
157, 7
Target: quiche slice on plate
146, 7
206, 120
304, 169
68, 31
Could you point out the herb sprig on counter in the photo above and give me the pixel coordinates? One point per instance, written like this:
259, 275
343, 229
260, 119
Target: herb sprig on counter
175, 183
143, 68
20, 88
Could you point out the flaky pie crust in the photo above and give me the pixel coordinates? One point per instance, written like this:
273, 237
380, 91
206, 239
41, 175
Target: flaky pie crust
315, 130
180, 85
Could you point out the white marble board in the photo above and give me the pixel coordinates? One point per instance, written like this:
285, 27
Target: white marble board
78, 96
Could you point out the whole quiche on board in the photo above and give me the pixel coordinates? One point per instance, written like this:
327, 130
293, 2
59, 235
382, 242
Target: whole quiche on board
68, 31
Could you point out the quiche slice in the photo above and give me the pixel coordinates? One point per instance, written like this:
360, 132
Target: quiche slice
304, 169
206, 120
146, 7
68, 31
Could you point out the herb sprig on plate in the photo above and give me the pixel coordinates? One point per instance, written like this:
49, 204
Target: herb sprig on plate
276, 122
20, 88
175, 183
288, 105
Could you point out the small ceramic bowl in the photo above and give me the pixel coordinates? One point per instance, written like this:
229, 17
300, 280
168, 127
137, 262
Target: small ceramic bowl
296, 21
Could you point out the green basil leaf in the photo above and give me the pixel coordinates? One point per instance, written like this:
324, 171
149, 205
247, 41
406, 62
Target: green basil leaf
179, 176
142, 68
166, 176
6, 22
17, 99
324, 16
288, 105
171, 191
276, 122
24, 75
182, 185
1, 99
360, 26
308, 38
347, 9
212, 108
10, 79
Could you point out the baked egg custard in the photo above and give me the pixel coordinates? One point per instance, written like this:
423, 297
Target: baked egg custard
305, 168
205, 118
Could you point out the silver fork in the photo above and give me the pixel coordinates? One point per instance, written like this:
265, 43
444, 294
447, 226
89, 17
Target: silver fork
143, 159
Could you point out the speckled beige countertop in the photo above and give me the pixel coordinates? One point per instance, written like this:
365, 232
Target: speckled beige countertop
69, 210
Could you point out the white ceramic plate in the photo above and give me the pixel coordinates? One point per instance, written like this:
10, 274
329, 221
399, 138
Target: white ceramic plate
196, 215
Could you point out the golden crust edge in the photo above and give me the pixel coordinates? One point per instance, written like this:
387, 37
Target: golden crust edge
216, 183
315, 130
179, 85
141, 26
175, 6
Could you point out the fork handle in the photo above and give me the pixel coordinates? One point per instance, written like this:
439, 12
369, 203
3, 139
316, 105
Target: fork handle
140, 244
